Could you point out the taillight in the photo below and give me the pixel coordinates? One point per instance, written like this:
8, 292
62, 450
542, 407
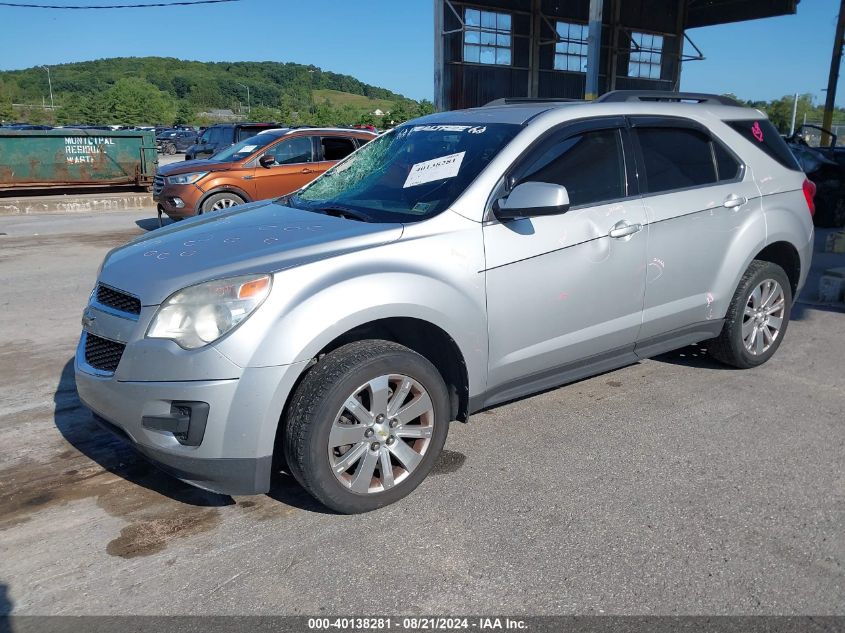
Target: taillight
809, 189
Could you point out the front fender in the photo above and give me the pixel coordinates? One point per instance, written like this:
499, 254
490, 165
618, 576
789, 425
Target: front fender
436, 278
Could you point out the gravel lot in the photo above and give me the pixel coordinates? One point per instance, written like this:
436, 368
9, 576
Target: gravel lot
673, 486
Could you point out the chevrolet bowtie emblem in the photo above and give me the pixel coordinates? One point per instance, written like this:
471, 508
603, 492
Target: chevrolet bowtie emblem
88, 318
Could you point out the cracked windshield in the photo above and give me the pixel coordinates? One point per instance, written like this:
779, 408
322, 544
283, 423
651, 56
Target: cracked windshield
409, 174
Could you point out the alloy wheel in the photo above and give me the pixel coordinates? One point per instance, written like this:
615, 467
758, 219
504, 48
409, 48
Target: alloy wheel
224, 203
763, 317
381, 434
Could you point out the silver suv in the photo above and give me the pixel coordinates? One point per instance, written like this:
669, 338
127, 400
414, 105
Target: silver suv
462, 260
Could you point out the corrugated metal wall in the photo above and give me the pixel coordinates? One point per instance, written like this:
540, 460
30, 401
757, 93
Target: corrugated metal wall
532, 73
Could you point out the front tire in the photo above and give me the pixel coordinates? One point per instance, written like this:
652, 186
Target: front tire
366, 425
757, 317
221, 202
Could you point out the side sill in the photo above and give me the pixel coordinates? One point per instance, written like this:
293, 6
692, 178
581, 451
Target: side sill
676, 339
593, 365
554, 377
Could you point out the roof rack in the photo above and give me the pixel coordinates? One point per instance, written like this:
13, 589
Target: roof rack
618, 96
528, 100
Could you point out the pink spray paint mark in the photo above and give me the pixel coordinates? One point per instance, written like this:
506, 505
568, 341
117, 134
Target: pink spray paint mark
757, 132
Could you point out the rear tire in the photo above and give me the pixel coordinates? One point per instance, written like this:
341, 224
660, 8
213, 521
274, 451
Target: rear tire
365, 425
757, 317
221, 202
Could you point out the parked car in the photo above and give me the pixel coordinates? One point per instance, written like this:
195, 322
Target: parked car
462, 260
218, 137
28, 126
175, 141
270, 164
825, 167
829, 178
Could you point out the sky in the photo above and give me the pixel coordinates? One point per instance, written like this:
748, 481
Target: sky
389, 43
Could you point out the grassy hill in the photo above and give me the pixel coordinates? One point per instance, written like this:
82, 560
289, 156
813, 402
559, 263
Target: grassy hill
360, 102
130, 90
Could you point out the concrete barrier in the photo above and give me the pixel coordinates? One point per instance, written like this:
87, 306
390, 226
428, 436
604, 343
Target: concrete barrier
77, 203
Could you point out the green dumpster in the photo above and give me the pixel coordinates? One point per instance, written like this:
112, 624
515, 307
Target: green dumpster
69, 158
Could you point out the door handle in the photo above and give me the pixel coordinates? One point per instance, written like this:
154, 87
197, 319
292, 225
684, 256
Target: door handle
733, 201
307, 171
624, 229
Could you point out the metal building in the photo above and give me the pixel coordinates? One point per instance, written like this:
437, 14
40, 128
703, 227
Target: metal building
489, 49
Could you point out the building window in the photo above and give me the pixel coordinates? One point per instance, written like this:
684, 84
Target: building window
646, 55
571, 50
487, 37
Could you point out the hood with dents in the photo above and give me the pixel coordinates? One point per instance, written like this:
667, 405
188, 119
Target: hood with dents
261, 237
188, 166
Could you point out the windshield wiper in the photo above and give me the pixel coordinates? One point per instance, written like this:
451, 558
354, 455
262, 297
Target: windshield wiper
342, 212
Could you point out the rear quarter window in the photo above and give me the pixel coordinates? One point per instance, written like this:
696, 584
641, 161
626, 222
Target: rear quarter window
763, 135
248, 132
676, 158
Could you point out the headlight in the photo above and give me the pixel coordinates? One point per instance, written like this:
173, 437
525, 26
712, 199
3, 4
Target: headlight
198, 315
186, 179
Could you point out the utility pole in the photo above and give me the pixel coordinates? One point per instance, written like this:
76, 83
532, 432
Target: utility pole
594, 49
248, 107
50, 82
832, 80
794, 114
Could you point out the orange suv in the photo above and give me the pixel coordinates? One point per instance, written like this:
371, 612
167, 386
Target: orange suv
269, 164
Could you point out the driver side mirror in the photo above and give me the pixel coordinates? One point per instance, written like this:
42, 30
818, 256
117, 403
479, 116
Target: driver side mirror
531, 199
267, 161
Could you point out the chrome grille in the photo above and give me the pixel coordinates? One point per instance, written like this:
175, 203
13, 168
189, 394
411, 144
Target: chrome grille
101, 353
118, 300
158, 185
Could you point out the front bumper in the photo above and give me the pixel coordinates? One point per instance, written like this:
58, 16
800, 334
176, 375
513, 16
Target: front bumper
236, 450
170, 196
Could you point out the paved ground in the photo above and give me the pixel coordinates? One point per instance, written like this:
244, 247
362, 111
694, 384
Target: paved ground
671, 486
164, 159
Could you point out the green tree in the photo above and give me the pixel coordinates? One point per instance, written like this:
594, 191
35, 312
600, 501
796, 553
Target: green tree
70, 110
36, 115
425, 107
132, 101
184, 114
93, 109
7, 112
263, 113
368, 118
206, 93
399, 114
780, 111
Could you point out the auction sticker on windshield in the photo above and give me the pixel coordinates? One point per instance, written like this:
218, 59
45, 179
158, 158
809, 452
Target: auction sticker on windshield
434, 169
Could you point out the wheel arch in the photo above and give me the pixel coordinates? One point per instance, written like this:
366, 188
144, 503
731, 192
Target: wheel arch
223, 189
785, 255
423, 337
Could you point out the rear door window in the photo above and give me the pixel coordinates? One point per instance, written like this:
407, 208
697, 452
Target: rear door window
336, 147
762, 134
727, 167
675, 158
292, 150
247, 132
590, 165
220, 136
